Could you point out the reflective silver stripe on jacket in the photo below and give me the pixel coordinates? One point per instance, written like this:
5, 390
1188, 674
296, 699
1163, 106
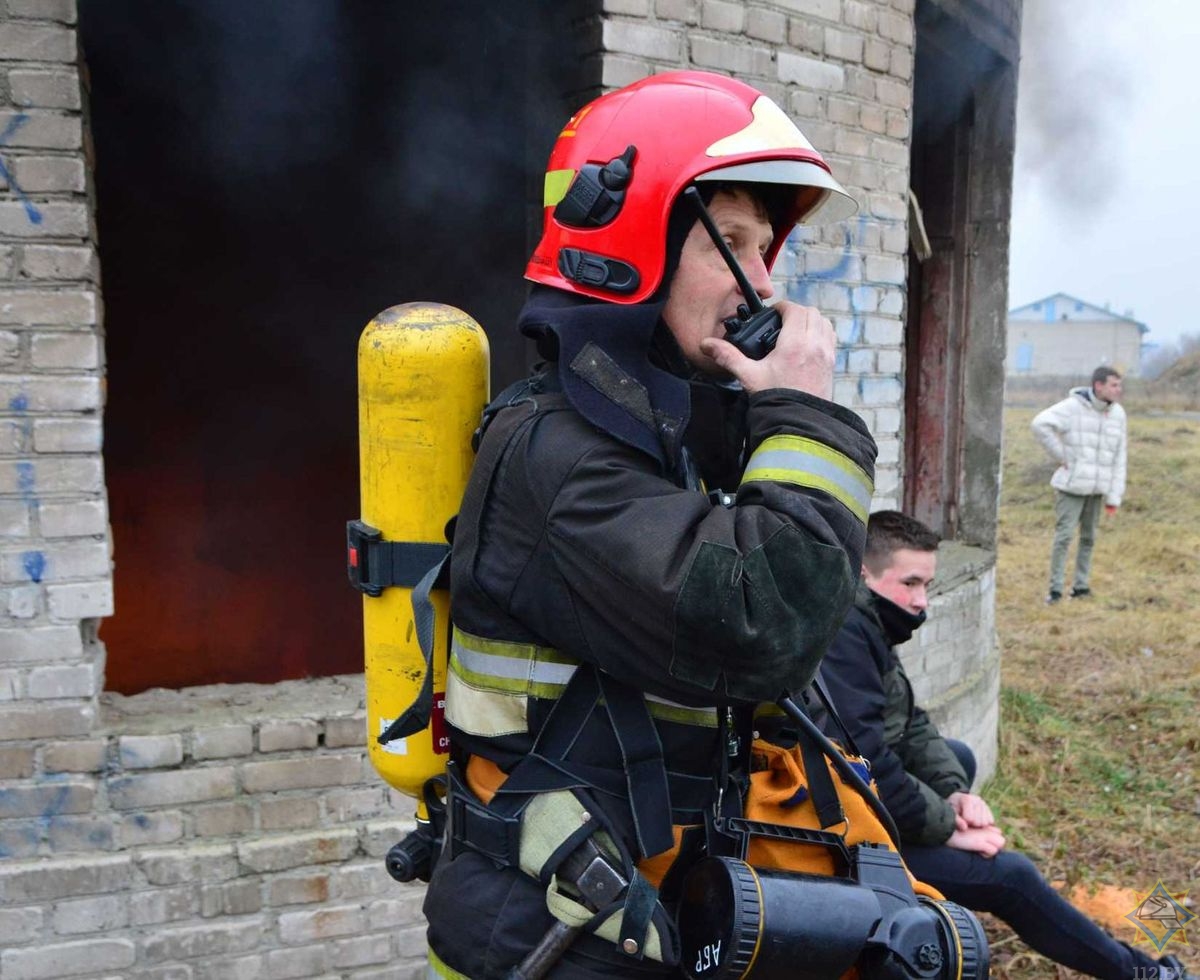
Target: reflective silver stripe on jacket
808, 463
490, 682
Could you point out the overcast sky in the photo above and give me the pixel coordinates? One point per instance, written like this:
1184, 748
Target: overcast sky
1106, 202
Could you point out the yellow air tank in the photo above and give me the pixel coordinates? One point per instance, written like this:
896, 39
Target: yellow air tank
422, 385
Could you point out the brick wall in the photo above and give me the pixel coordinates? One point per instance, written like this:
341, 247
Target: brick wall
238, 831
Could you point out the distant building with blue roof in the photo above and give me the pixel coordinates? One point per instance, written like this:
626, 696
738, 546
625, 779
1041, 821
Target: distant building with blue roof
1064, 336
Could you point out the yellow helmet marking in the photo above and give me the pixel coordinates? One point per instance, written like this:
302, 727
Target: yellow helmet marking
555, 187
770, 129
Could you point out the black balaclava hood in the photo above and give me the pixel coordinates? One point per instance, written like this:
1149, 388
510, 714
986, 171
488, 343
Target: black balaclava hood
898, 623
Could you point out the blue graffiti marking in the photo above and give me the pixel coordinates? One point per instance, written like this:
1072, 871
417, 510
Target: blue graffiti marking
34, 563
19, 403
15, 123
26, 479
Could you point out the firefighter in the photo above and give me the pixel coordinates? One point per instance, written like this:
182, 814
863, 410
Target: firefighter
659, 533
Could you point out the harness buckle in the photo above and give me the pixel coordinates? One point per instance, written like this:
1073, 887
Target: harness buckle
470, 824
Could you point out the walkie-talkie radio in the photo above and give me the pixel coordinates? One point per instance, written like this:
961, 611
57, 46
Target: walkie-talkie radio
756, 327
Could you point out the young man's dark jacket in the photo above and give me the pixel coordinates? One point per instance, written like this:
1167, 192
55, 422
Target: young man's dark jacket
591, 536
913, 767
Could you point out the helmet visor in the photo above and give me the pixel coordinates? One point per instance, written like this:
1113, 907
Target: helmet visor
831, 201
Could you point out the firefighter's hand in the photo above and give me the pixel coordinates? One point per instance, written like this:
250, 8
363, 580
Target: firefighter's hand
987, 841
802, 359
1110, 510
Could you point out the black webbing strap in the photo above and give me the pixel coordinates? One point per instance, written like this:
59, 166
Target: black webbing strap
820, 783
416, 716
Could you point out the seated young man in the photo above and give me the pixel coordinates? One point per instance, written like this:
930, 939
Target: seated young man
949, 837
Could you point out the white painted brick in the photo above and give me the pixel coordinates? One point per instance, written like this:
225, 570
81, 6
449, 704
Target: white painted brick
223, 742
624, 37
151, 907
343, 732
303, 961
810, 72
289, 813
889, 362
378, 836
64, 349
740, 59
883, 332
37, 175
687, 11
617, 72
721, 15
356, 804
281, 852
57, 89
60, 562
149, 751
803, 35
892, 93
67, 435
76, 518
825, 9
243, 897
42, 130
843, 45
361, 951
14, 519
281, 736
24, 601
28, 307
861, 16
59, 219
78, 681
861, 361
297, 889
67, 959
330, 770
80, 600
99, 914
10, 348
16, 762
223, 819
41, 643
886, 269
36, 42
150, 829
17, 925
171, 788
896, 27
766, 25
66, 394
12, 685
60, 10
187, 942
193, 863
877, 54
325, 923
64, 262
47, 879
44, 475
20, 721
633, 8
887, 420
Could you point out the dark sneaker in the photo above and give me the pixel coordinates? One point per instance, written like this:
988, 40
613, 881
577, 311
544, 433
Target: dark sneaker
1053, 597
1172, 968
1080, 593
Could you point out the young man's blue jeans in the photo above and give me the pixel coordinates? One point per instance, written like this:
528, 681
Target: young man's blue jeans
1010, 887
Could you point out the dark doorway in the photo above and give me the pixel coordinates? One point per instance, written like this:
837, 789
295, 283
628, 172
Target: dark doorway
268, 177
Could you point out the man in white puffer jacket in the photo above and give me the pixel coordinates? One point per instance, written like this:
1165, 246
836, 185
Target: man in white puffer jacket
1085, 434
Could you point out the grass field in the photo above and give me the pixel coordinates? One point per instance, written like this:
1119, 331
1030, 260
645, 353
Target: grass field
1098, 778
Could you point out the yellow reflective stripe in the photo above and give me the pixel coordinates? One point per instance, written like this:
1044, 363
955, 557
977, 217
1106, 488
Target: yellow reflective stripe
485, 713
512, 672
438, 969
681, 714
808, 463
554, 189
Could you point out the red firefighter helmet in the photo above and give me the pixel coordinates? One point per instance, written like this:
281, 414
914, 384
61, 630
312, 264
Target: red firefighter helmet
622, 160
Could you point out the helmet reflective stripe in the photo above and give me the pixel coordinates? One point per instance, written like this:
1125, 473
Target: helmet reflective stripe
769, 129
554, 189
807, 463
489, 684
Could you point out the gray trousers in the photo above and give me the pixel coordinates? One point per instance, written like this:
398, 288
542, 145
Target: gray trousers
1071, 511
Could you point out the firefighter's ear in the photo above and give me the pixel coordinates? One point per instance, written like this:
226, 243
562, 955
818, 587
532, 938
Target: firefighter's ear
597, 192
